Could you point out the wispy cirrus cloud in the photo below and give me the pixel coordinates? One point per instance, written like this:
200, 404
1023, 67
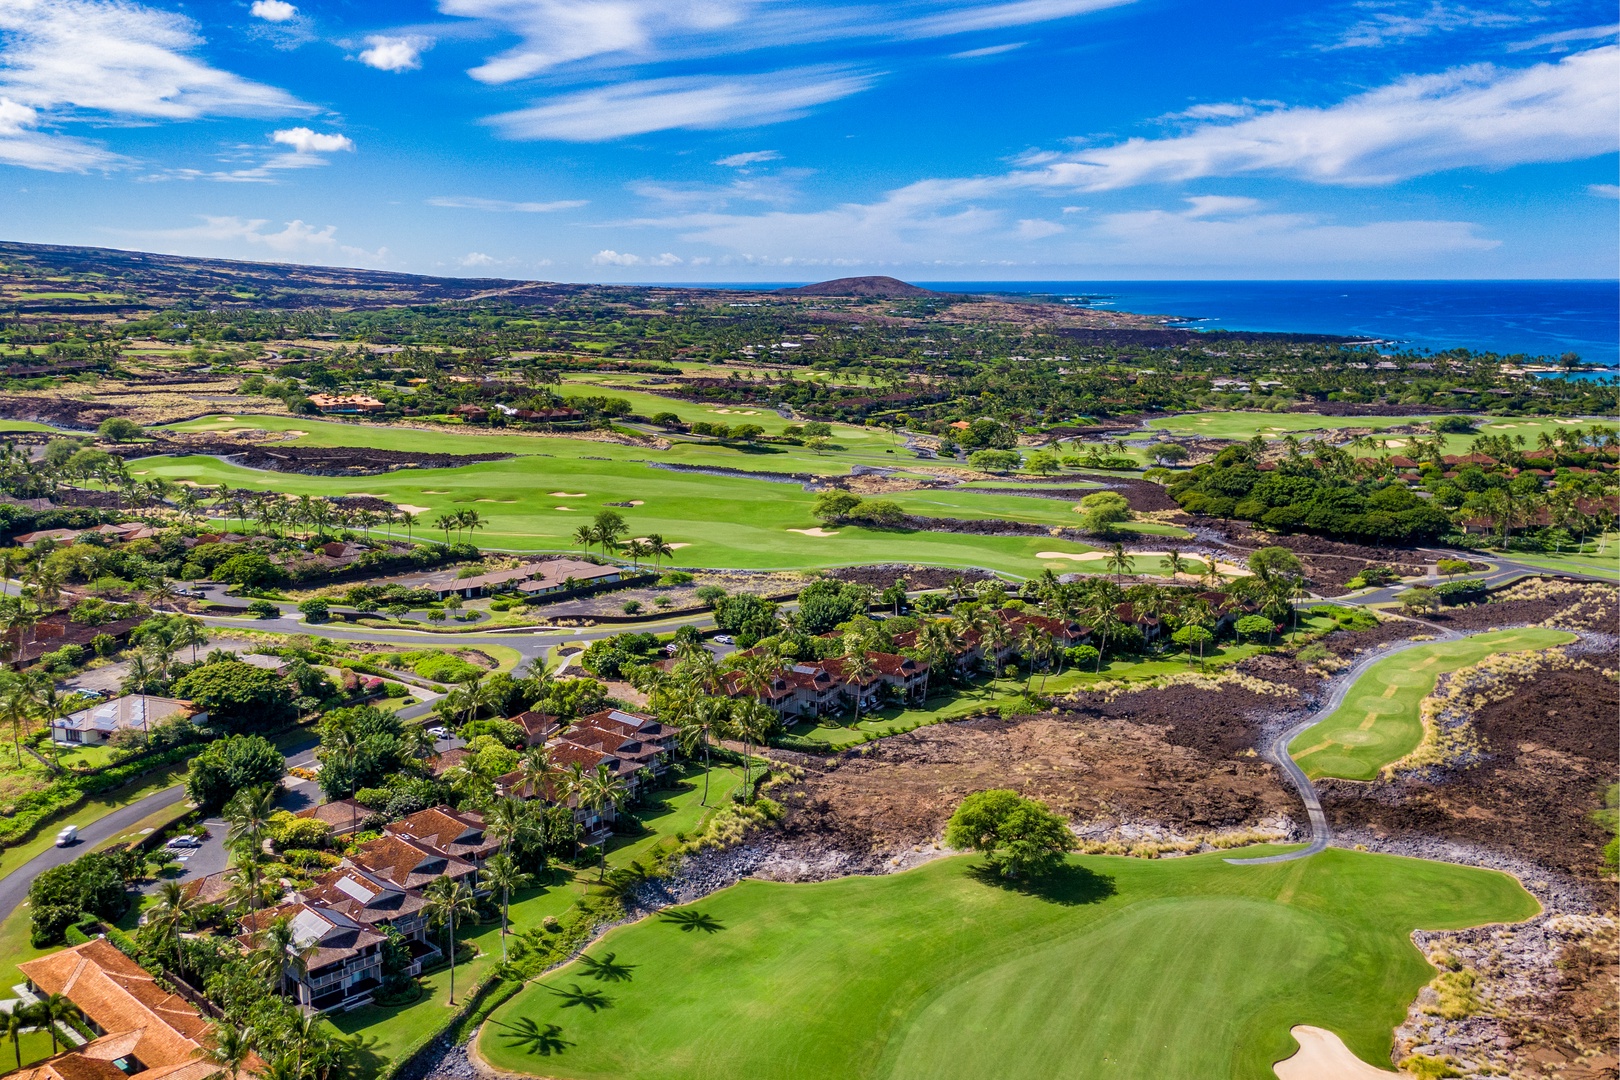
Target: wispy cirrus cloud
503, 206
556, 33
751, 157
23, 144
1399, 22
1563, 40
689, 102
294, 238
1477, 116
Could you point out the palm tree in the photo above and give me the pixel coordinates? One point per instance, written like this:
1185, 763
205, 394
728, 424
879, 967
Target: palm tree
658, 548
586, 536
448, 900
637, 550
935, 641
751, 722
597, 791
858, 670
233, 1048
506, 821
501, 874
249, 816
190, 633
54, 1009
17, 706
16, 1020
698, 725
1174, 560
1119, 560
174, 912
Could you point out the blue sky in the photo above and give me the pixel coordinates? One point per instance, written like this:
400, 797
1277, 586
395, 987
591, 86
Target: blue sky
781, 140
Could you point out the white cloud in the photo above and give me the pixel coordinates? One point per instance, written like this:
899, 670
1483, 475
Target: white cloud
1604, 191
700, 101
1208, 205
1561, 41
554, 33
988, 50
1407, 21
476, 258
1038, 229
276, 11
248, 235
22, 145
305, 141
609, 257
1477, 116
121, 58
1221, 110
469, 202
752, 157
395, 54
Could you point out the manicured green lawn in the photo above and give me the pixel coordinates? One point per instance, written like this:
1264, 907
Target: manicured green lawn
1175, 969
679, 809
1599, 557
1379, 723
1245, 425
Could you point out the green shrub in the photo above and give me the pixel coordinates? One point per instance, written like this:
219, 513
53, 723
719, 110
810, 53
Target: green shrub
441, 667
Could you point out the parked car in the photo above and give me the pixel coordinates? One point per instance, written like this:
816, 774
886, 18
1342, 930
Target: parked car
68, 836
179, 842
725, 639
439, 732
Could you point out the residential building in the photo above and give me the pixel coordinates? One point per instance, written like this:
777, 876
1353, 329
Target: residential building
408, 864
455, 834
141, 1029
377, 904
537, 727
346, 404
342, 959
345, 816
132, 712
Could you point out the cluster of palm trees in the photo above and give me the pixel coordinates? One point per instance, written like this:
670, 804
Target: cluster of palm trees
461, 521
45, 1013
693, 699
307, 516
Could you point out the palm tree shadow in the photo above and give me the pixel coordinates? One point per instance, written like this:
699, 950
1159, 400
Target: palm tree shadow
593, 1000
528, 1035
690, 921
607, 969
1069, 885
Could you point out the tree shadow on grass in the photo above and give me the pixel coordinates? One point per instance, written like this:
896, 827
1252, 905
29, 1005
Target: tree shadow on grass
531, 1037
690, 921
1069, 885
592, 1000
608, 968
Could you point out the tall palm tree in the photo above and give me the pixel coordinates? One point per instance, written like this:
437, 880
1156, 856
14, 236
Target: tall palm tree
698, 726
751, 722
14, 1024
1119, 560
658, 548
174, 913
54, 1009
1176, 562
17, 707
447, 901
858, 671
597, 791
501, 874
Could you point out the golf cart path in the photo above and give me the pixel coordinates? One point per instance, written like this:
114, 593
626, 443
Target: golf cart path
1277, 752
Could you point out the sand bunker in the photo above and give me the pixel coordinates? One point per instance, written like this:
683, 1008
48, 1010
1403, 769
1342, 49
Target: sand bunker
818, 531
1567, 423
1083, 556
1228, 569
567, 494
425, 491
1323, 1056
672, 547
569, 509
637, 502
411, 509
294, 433
739, 412
1394, 442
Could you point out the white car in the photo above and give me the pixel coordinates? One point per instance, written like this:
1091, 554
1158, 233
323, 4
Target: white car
439, 732
724, 639
68, 836
184, 842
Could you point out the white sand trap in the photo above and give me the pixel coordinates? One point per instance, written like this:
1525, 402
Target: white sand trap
425, 491
567, 494
1323, 1056
496, 500
1568, 423
567, 509
818, 532
410, 509
294, 433
1080, 556
738, 412
1229, 569
637, 502
672, 547
1394, 442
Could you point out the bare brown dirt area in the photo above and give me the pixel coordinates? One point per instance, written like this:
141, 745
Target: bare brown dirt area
900, 792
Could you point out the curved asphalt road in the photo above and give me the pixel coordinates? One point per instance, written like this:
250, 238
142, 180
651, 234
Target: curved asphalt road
1277, 753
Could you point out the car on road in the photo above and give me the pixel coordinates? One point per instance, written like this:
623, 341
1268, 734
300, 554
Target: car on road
179, 842
439, 732
724, 639
68, 836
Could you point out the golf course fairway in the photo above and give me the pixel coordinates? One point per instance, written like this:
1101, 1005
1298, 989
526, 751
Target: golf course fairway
1173, 969
1379, 720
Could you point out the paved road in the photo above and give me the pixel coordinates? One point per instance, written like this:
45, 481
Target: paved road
14, 886
1277, 753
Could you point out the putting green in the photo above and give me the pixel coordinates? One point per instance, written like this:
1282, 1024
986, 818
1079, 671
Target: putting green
1175, 969
1379, 720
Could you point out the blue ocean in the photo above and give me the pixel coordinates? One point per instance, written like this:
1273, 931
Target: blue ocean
1535, 318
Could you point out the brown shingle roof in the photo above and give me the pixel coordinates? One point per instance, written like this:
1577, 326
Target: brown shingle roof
396, 859
450, 831
118, 995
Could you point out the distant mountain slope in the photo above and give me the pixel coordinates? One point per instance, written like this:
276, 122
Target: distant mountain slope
883, 288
